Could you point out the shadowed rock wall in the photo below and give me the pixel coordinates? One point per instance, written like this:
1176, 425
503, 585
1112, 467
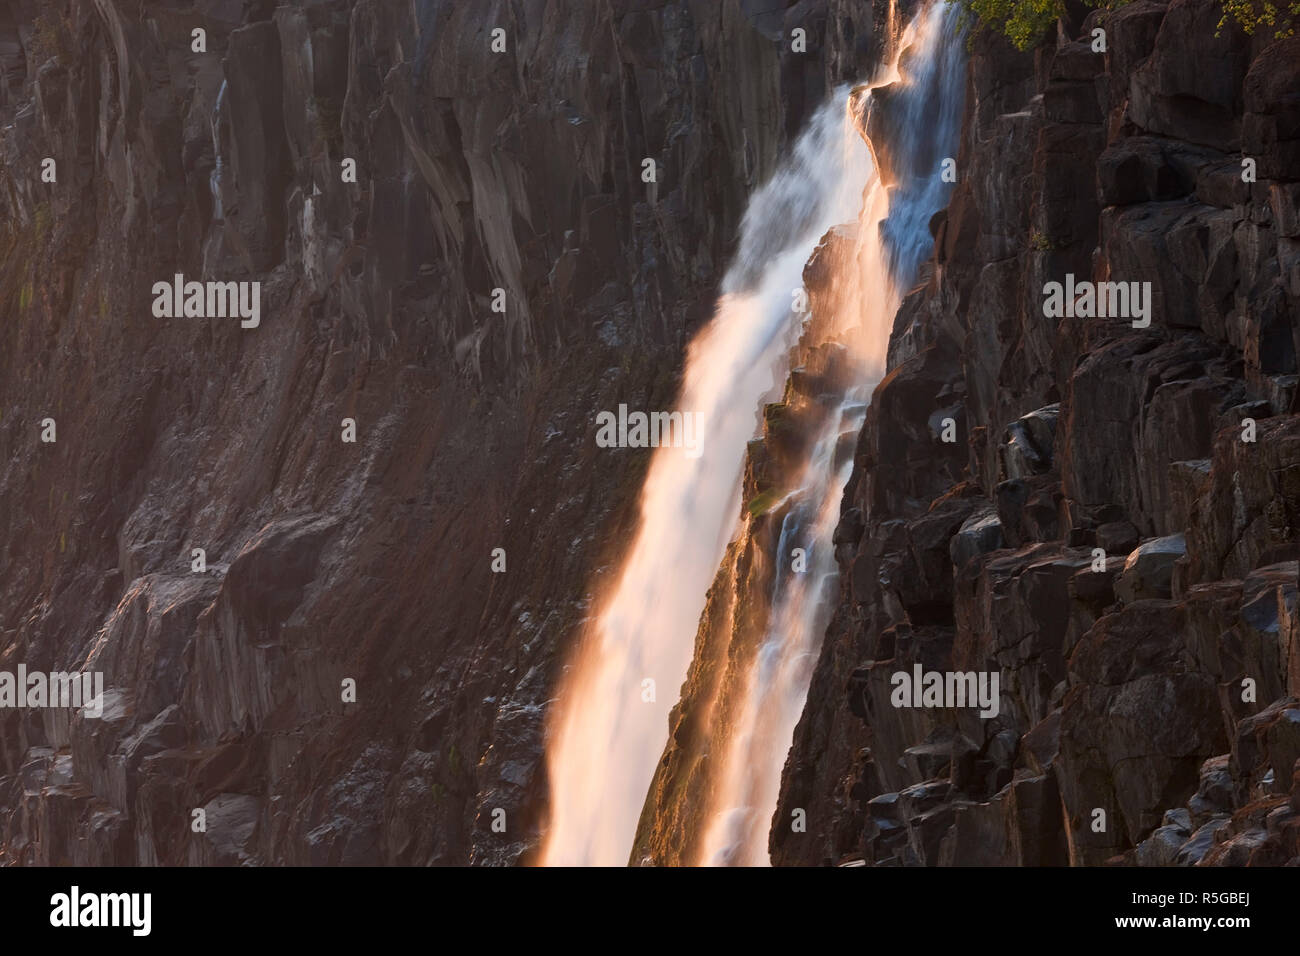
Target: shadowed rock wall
1148, 709
326, 560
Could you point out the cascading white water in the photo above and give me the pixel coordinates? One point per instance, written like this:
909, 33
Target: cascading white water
214, 180
779, 676
608, 735
892, 240
216, 236
608, 738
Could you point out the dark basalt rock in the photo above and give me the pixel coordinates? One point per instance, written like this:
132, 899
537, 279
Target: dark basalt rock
1158, 687
1190, 87
1165, 696
1271, 124
329, 561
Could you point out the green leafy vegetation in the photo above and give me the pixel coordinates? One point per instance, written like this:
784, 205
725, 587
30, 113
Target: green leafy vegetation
1023, 21
1041, 242
1252, 15
1026, 22
762, 503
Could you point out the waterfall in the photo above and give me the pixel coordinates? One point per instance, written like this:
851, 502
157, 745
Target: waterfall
215, 241
214, 181
925, 84
608, 732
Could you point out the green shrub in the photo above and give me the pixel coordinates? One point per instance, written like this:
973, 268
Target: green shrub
762, 503
1251, 15
1024, 22
1041, 242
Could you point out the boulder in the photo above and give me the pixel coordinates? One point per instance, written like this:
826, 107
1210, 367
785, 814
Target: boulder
1029, 509
1117, 537
1148, 572
1150, 169
1270, 131
1266, 748
1250, 508
1190, 86
980, 533
1131, 32
1137, 723
1200, 842
1027, 443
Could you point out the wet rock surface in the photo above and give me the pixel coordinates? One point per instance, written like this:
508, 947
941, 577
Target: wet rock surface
1156, 684
1140, 606
328, 561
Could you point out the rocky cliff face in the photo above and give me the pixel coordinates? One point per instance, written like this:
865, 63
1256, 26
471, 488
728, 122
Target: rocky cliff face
1108, 533
327, 560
